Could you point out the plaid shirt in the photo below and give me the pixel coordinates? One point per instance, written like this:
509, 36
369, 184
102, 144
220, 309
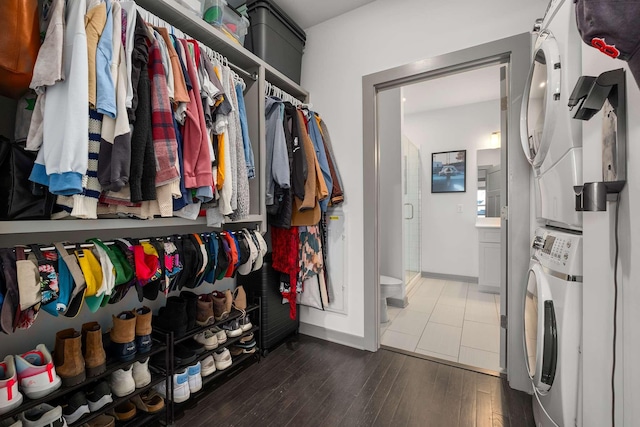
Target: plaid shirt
162, 130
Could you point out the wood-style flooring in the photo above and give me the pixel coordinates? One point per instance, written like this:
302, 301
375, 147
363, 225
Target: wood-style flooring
310, 382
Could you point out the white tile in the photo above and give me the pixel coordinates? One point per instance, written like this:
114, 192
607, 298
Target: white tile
457, 301
456, 289
437, 355
429, 288
479, 358
409, 322
392, 312
497, 298
422, 304
481, 312
439, 338
399, 340
447, 315
481, 336
476, 295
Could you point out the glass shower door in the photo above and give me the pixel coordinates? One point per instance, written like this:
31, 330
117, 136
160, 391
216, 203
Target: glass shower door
411, 184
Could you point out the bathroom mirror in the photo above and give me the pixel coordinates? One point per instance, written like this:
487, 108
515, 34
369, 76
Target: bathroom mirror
488, 183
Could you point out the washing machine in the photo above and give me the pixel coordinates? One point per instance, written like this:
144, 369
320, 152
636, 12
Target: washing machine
551, 138
553, 326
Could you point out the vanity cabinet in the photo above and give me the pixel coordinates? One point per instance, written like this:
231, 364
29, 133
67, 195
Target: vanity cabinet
489, 259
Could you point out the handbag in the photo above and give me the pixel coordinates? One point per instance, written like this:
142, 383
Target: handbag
19, 197
19, 47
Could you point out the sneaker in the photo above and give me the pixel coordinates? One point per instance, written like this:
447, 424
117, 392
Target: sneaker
220, 334
208, 339
195, 378
43, 415
10, 422
10, 397
121, 382
245, 323
181, 391
235, 351
247, 347
149, 402
99, 396
141, 374
232, 328
183, 356
75, 407
125, 411
207, 366
222, 359
194, 346
36, 373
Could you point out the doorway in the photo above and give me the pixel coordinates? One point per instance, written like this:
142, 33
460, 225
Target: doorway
513, 52
447, 144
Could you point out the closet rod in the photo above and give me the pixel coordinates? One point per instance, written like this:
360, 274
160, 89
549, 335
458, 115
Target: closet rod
252, 76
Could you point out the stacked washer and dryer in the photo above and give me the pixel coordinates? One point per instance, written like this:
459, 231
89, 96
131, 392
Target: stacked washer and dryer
552, 142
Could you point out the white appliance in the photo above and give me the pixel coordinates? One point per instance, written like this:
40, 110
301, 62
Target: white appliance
553, 326
551, 139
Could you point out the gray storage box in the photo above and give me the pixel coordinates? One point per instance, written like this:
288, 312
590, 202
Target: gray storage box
274, 37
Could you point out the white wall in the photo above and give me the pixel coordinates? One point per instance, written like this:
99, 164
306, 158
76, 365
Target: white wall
375, 37
599, 248
390, 133
450, 238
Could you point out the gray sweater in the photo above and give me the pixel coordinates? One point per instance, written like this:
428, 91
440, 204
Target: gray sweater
277, 167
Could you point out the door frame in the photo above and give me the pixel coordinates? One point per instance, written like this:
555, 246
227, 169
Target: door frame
514, 51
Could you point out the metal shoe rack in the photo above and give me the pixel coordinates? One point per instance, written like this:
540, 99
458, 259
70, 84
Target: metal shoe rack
176, 410
142, 419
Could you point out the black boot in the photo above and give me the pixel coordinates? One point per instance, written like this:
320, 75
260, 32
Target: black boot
172, 317
191, 300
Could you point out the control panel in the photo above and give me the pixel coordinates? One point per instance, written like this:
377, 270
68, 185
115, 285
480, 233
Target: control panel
560, 249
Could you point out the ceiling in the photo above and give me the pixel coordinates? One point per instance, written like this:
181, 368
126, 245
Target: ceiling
307, 13
464, 88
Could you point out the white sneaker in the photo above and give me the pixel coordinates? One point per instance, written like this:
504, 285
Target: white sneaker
10, 397
207, 366
36, 373
220, 334
141, 374
121, 382
181, 391
222, 359
195, 378
43, 415
208, 339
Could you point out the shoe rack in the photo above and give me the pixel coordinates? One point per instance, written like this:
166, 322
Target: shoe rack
175, 410
142, 419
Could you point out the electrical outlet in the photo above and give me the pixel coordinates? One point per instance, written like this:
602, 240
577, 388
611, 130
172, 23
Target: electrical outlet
459, 208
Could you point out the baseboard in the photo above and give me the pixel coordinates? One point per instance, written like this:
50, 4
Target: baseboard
331, 335
452, 277
398, 302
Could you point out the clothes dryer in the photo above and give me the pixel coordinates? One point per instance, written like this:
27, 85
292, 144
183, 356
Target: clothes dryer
551, 138
553, 326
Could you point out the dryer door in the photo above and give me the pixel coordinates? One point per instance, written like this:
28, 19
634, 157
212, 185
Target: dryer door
541, 99
540, 330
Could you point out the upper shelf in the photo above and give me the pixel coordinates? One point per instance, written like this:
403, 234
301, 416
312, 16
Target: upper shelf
182, 18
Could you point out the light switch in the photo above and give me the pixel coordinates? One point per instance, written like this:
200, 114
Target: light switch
459, 208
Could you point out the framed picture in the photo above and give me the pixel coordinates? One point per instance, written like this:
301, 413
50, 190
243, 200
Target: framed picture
448, 172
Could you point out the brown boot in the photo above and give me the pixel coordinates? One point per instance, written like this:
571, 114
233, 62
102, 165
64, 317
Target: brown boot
143, 329
228, 300
95, 358
240, 300
204, 314
220, 310
67, 357
123, 335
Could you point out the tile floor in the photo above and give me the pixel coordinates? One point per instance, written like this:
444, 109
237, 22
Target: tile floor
448, 320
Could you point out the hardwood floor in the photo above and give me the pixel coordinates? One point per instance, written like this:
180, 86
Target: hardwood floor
311, 382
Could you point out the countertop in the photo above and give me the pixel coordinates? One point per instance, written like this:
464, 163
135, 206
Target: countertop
482, 222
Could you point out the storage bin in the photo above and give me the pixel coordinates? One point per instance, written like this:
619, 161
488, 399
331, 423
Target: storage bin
219, 14
194, 6
274, 37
